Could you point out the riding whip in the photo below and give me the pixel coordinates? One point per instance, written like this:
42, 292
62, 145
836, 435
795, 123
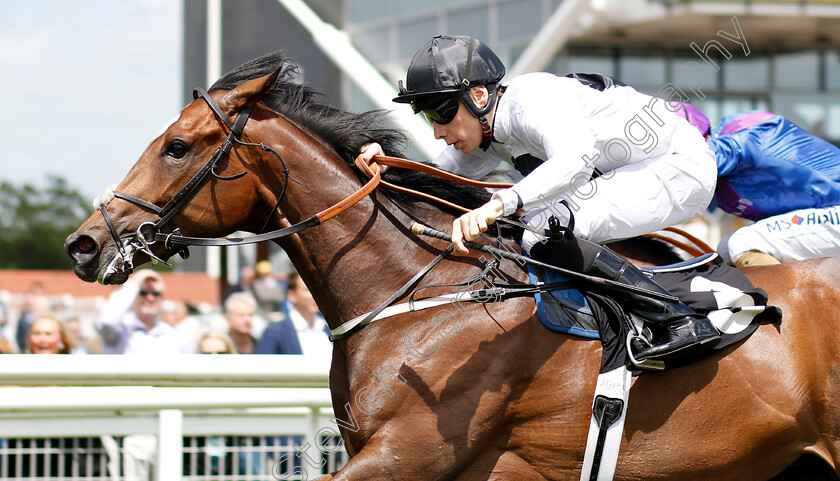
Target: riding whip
608, 284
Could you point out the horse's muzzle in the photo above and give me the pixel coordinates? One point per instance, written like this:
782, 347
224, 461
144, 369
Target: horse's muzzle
89, 260
84, 251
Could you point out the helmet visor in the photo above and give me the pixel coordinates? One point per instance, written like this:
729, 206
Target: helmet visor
441, 110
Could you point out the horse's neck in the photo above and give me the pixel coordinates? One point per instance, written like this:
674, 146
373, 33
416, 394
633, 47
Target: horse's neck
357, 259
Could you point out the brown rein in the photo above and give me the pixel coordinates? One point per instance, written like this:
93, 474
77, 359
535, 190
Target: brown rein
374, 170
384, 160
699, 248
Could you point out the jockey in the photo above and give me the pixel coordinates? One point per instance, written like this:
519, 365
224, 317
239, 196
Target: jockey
621, 161
780, 176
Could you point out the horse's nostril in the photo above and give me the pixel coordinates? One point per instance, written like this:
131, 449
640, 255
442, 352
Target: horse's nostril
82, 248
85, 244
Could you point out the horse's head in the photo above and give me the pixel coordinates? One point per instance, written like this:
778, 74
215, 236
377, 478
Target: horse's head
175, 186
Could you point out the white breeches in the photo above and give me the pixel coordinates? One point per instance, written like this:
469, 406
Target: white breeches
797, 235
638, 198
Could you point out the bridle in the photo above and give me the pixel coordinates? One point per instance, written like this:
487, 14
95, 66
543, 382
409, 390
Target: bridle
148, 233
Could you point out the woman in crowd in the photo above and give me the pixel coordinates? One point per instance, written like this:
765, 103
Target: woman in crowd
49, 335
215, 342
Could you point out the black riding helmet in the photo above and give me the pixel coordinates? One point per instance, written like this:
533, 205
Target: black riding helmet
448, 66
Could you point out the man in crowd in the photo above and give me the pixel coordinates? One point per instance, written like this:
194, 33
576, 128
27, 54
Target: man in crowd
239, 312
304, 331
131, 321
267, 290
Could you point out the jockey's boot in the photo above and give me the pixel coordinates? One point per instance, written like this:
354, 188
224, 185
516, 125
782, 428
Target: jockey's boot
679, 330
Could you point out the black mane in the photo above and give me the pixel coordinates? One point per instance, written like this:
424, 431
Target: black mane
346, 132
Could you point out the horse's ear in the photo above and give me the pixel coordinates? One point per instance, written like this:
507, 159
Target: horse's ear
249, 93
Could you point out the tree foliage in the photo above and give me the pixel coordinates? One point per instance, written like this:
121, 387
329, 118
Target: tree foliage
34, 221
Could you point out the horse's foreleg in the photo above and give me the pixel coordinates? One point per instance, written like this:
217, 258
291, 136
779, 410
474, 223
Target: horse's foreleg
396, 459
500, 465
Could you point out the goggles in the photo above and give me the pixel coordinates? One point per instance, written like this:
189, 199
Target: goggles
441, 111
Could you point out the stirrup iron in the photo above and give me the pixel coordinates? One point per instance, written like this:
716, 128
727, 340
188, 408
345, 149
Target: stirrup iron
644, 364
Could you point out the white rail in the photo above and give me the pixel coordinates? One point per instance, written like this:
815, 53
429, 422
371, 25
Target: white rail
149, 398
171, 397
177, 370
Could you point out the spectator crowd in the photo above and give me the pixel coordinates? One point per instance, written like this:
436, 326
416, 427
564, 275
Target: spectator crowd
265, 312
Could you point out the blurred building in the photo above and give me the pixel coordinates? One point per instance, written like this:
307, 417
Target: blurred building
725, 56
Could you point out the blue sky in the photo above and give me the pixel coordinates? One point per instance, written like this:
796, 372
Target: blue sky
87, 85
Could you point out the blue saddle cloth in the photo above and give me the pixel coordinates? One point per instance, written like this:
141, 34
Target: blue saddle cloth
564, 309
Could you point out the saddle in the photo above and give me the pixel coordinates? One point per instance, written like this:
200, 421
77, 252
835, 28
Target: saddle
719, 291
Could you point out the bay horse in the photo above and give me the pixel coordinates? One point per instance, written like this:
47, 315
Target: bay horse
474, 391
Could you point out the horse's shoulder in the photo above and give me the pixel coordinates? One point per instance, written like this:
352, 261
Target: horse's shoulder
828, 267
823, 272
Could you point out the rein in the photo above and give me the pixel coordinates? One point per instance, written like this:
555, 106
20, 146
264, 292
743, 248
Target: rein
700, 249
148, 233
374, 171
383, 160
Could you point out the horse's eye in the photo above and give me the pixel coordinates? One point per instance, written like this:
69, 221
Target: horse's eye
177, 149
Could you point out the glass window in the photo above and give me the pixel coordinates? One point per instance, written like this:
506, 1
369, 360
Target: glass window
471, 22
807, 111
799, 70
455, 3
693, 76
509, 53
716, 108
832, 67
414, 35
745, 74
642, 71
518, 19
374, 45
586, 64
408, 7
584, 60
812, 114
361, 11
832, 122
710, 107
731, 106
